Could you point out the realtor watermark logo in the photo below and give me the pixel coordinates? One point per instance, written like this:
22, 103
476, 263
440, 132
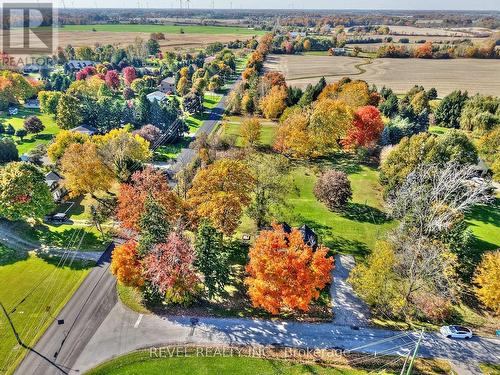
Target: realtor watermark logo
28, 28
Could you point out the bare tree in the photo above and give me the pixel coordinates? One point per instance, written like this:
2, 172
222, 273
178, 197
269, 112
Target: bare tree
434, 197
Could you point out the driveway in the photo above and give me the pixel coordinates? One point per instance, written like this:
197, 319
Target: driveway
348, 308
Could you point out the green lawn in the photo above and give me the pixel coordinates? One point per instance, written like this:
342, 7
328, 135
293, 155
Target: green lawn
61, 235
30, 141
232, 129
490, 369
143, 363
195, 122
171, 151
167, 29
33, 292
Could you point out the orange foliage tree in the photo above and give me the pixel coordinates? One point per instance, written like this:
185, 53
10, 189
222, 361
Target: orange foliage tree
126, 266
366, 129
132, 197
284, 272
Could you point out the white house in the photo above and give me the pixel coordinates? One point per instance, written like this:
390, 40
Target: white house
156, 95
85, 129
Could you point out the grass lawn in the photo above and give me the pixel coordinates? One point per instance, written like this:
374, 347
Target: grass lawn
315, 53
484, 222
438, 130
232, 129
142, 363
30, 141
490, 369
167, 29
171, 151
60, 235
33, 292
195, 122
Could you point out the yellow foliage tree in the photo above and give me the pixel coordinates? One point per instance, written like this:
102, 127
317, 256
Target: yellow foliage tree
274, 103
487, 280
84, 171
292, 137
220, 192
251, 129
63, 140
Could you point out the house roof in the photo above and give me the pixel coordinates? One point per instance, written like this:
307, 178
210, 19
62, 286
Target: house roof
169, 80
310, 238
52, 176
85, 129
156, 95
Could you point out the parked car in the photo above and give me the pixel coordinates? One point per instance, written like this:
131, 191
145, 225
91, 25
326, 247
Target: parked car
56, 218
457, 332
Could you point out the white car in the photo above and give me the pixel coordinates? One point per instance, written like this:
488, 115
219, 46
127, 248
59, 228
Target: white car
457, 332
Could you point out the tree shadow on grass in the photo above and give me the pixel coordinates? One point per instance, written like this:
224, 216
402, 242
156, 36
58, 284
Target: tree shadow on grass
486, 213
364, 213
68, 238
69, 261
11, 256
342, 245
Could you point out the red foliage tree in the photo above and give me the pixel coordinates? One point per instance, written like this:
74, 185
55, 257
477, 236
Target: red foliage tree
366, 129
85, 73
284, 272
129, 74
132, 197
170, 268
112, 79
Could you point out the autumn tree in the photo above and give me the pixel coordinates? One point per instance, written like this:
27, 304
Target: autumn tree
170, 268
211, 258
274, 103
293, 137
126, 265
62, 141
112, 79
49, 101
129, 74
271, 186
487, 281
23, 192
84, 171
250, 131
33, 125
366, 130
329, 123
183, 86
132, 197
120, 149
220, 192
284, 273
333, 188
68, 112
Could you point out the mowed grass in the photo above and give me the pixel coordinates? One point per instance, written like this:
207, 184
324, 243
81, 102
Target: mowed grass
231, 129
33, 140
143, 363
167, 29
33, 292
484, 222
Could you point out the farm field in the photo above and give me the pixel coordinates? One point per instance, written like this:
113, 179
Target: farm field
473, 75
30, 286
30, 141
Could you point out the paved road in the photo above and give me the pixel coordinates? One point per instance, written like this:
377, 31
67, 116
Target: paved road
62, 344
124, 331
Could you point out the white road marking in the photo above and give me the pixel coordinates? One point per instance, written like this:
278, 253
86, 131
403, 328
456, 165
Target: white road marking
138, 321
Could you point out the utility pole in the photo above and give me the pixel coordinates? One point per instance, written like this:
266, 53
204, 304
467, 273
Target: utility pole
410, 366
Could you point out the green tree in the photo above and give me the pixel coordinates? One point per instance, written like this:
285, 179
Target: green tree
142, 108
154, 226
21, 133
450, 109
211, 258
68, 112
23, 192
8, 151
48, 101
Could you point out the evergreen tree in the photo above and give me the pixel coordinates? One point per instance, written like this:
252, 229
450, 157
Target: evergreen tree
319, 87
211, 258
450, 109
389, 108
154, 226
156, 115
307, 97
142, 109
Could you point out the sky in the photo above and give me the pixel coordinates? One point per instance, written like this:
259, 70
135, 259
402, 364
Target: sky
295, 4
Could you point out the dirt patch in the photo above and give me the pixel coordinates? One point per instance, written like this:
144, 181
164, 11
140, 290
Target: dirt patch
473, 75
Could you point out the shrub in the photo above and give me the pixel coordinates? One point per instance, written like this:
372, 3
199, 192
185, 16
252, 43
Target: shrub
333, 189
33, 125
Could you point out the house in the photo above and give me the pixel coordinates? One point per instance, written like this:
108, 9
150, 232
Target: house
309, 236
13, 111
209, 59
53, 180
167, 85
32, 104
156, 95
76, 65
85, 129
295, 34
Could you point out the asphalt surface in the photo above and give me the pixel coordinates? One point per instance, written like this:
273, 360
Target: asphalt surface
62, 344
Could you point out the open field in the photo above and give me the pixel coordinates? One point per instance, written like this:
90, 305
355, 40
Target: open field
33, 291
473, 75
